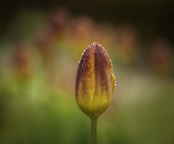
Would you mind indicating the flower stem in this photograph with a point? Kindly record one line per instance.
(93, 130)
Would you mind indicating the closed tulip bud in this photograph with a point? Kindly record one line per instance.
(95, 81)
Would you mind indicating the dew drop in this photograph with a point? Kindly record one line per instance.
(115, 83)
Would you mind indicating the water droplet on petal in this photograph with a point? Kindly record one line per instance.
(115, 83)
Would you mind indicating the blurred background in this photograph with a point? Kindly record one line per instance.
(40, 45)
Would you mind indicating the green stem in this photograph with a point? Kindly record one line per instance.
(93, 130)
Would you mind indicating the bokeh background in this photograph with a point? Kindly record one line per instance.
(40, 45)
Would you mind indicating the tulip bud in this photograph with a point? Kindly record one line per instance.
(95, 81)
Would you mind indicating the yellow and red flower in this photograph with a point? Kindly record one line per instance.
(95, 81)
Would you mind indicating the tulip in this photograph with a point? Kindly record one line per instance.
(95, 82)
